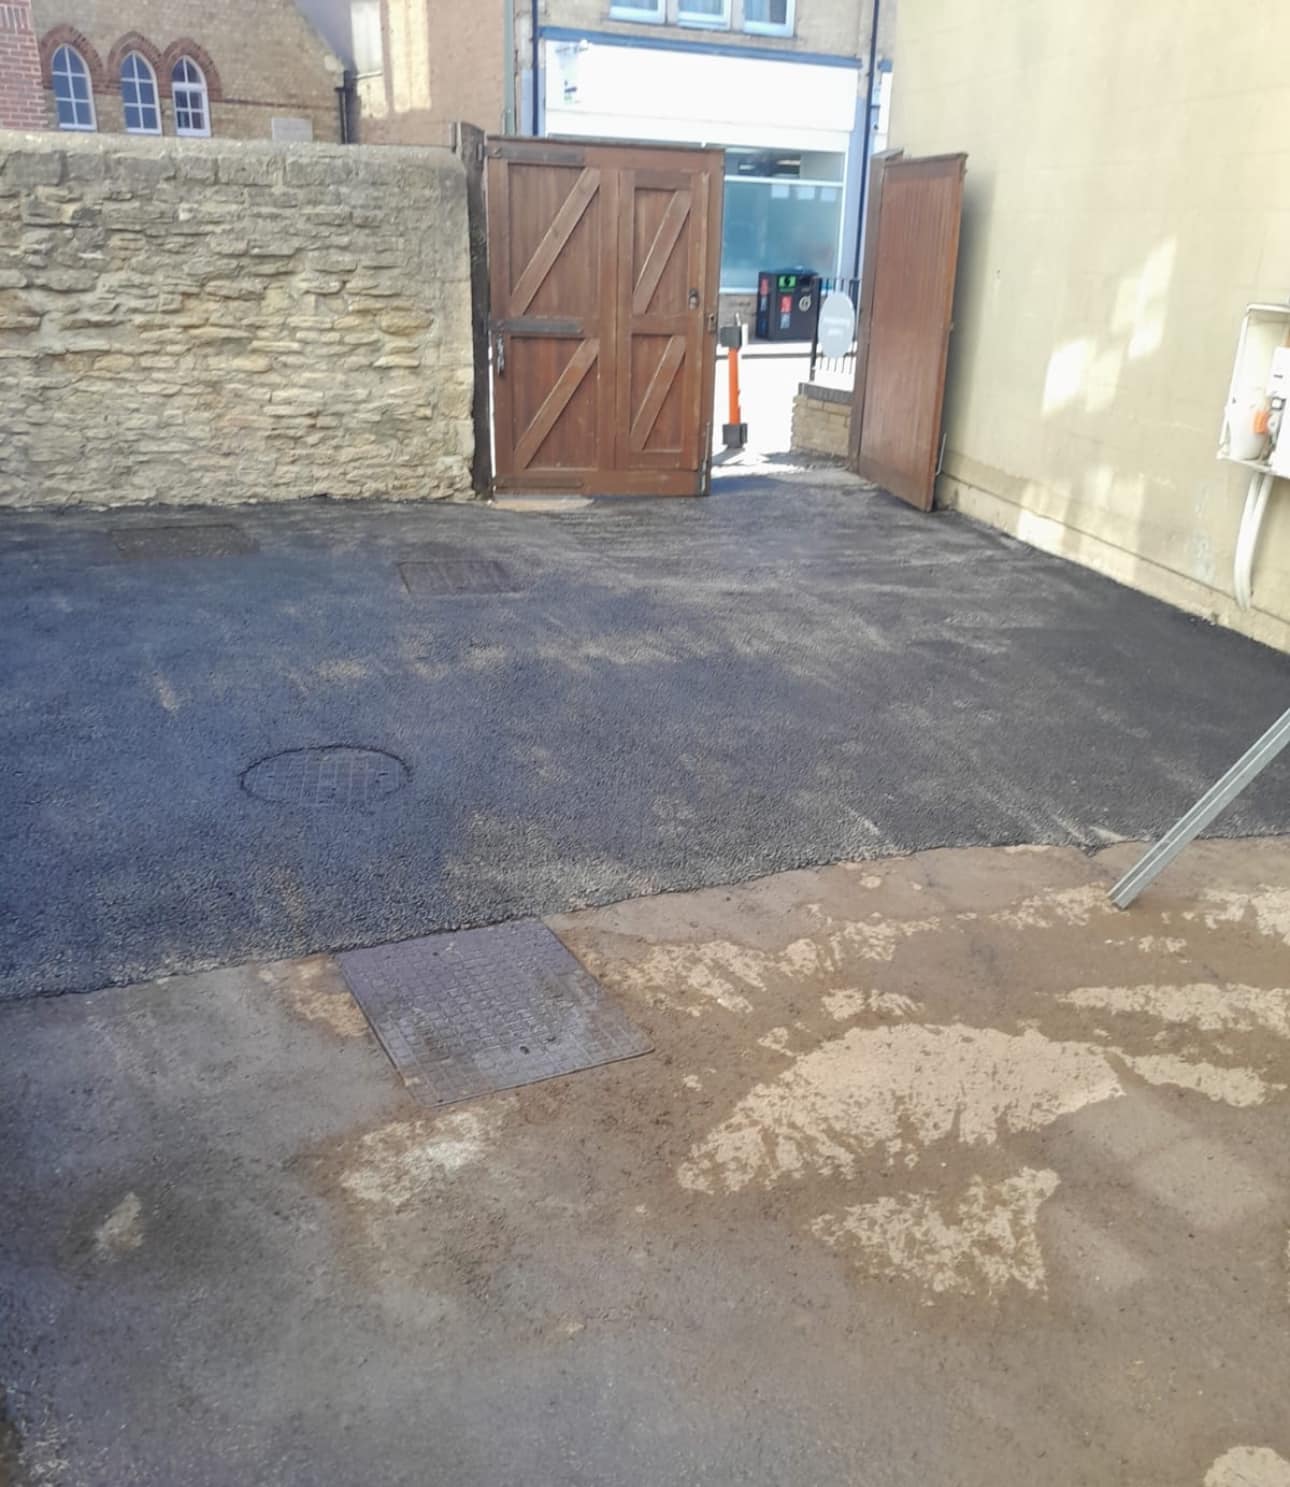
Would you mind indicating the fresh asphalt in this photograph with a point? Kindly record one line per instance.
(682, 693)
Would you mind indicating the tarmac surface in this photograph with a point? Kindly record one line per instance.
(635, 697)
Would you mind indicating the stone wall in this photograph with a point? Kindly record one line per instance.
(206, 321)
(822, 420)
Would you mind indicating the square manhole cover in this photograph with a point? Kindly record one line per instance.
(182, 541)
(486, 1009)
(440, 578)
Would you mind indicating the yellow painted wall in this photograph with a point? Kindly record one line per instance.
(1128, 192)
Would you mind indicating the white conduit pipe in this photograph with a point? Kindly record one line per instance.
(1247, 536)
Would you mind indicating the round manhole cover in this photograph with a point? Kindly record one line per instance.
(332, 776)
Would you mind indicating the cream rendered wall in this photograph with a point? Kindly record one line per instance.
(1128, 192)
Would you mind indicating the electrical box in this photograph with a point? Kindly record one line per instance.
(1253, 432)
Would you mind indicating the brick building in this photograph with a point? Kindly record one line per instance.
(21, 103)
(172, 67)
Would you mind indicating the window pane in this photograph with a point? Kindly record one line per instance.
(766, 12)
(71, 81)
(139, 95)
(707, 9)
(778, 224)
(191, 115)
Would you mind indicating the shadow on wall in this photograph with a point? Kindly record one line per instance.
(1097, 310)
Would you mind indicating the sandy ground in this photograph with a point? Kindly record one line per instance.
(942, 1170)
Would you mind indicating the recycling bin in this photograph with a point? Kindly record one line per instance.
(787, 304)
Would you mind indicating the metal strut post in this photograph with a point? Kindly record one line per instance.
(1217, 798)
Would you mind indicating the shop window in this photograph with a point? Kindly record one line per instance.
(783, 209)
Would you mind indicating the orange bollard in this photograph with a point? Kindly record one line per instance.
(734, 433)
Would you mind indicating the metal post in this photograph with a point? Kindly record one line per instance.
(1217, 798)
(815, 334)
(868, 134)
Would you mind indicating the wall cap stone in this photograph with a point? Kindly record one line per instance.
(382, 164)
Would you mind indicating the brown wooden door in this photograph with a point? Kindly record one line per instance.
(604, 267)
(906, 313)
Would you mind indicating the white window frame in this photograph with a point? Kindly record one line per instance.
(66, 47)
(627, 12)
(155, 106)
(769, 28)
(704, 22)
(188, 131)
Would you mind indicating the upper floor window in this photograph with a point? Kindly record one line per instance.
(72, 95)
(192, 103)
(760, 17)
(637, 10)
(769, 17)
(703, 12)
(139, 96)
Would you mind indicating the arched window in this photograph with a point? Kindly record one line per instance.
(192, 106)
(139, 95)
(72, 95)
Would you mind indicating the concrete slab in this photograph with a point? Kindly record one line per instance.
(943, 1171)
(685, 693)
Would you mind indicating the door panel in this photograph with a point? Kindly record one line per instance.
(551, 229)
(907, 301)
(662, 310)
(604, 271)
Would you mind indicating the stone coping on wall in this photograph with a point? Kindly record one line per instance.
(818, 394)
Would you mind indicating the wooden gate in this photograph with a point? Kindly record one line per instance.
(603, 275)
(906, 310)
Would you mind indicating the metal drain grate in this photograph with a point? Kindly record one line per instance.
(486, 1009)
(443, 577)
(333, 776)
(139, 543)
